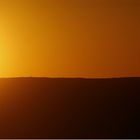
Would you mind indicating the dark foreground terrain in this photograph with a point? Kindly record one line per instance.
(69, 108)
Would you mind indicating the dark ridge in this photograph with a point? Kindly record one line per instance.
(36, 107)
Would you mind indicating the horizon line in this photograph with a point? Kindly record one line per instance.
(45, 77)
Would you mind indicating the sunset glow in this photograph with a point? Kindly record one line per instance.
(70, 38)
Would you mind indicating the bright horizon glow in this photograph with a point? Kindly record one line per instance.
(77, 38)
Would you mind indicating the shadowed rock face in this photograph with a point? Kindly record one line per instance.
(69, 108)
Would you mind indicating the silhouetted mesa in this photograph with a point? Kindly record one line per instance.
(69, 108)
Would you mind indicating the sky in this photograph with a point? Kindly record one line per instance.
(70, 38)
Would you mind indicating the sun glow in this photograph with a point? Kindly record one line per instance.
(2, 55)
(5, 51)
(69, 38)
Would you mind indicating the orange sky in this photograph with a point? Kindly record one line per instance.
(70, 38)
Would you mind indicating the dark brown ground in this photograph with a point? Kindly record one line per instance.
(69, 108)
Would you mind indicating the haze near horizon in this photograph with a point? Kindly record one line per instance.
(70, 38)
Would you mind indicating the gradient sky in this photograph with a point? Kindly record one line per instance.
(70, 38)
